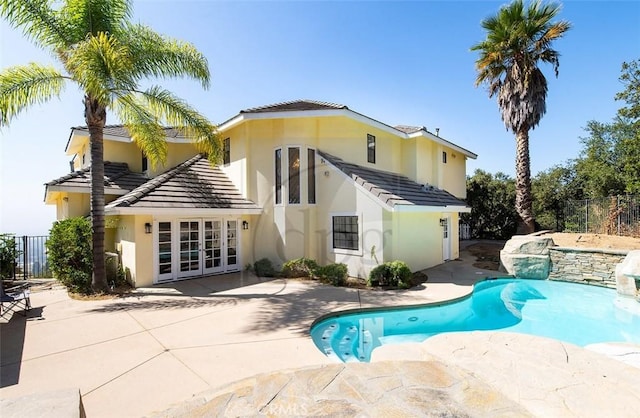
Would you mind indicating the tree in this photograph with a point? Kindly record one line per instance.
(107, 57)
(551, 190)
(518, 39)
(491, 198)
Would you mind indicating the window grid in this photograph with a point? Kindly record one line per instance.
(345, 232)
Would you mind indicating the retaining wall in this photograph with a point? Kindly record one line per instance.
(585, 265)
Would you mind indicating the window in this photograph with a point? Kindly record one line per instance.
(226, 158)
(345, 232)
(278, 161)
(444, 157)
(371, 148)
(311, 176)
(145, 162)
(294, 175)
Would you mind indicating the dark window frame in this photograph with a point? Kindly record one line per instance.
(371, 149)
(344, 237)
(311, 176)
(226, 153)
(278, 175)
(144, 162)
(444, 157)
(293, 171)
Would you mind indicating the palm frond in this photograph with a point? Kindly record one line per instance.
(143, 126)
(92, 17)
(37, 20)
(26, 85)
(175, 112)
(101, 65)
(160, 56)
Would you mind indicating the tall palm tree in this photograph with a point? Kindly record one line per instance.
(518, 39)
(107, 56)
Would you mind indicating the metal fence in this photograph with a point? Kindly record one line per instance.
(614, 215)
(30, 259)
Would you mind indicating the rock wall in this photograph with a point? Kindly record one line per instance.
(593, 266)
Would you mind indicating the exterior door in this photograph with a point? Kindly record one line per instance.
(212, 244)
(189, 244)
(446, 238)
(195, 247)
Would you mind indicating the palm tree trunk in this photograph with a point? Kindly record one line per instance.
(523, 183)
(96, 116)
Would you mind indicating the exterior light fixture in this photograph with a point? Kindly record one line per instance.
(147, 228)
(245, 225)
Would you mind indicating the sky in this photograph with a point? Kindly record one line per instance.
(398, 62)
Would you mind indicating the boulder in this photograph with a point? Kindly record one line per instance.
(627, 273)
(527, 256)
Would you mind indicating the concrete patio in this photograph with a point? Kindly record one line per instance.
(168, 349)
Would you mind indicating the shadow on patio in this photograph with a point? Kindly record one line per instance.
(12, 334)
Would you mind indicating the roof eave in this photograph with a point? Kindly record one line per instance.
(431, 209)
(179, 211)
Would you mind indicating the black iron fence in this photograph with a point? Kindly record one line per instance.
(614, 215)
(23, 257)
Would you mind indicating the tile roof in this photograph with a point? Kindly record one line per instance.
(192, 184)
(394, 189)
(410, 129)
(117, 179)
(121, 131)
(294, 106)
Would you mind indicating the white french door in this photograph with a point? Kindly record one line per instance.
(195, 247)
(446, 238)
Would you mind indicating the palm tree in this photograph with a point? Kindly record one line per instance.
(107, 57)
(518, 39)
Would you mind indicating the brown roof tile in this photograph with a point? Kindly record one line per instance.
(394, 189)
(295, 105)
(117, 179)
(192, 184)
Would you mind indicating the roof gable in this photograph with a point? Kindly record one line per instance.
(295, 105)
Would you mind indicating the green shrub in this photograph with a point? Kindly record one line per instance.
(392, 274)
(335, 274)
(69, 253)
(264, 268)
(300, 267)
(8, 255)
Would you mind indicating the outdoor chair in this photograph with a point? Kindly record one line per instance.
(15, 296)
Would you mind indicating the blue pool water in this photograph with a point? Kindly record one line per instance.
(575, 313)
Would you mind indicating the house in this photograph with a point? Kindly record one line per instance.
(298, 179)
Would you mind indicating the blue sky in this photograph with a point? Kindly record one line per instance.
(398, 62)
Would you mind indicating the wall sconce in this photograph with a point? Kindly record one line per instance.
(443, 221)
(326, 173)
(147, 228)
(245, 225)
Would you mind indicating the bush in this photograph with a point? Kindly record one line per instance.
(264, 268)
(8, 255)
(392, 274)
(69, 253)
(335, 274)
(300, 267)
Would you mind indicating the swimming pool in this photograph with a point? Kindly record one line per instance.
(575, 313)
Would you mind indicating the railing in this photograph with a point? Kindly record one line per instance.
(615, 215)
(28, 259)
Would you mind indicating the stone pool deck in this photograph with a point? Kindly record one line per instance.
(176, 350)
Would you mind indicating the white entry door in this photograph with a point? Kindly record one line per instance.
(195, 247)
(446, 238)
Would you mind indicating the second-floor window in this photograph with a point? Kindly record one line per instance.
(278, 174)
(226, 157)
(311, 176)
(444, 157)
(145, 162)
(371, 148)
(294, 175)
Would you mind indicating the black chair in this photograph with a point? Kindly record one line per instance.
(13, 297)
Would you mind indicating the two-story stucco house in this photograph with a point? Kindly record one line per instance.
(299, 179)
